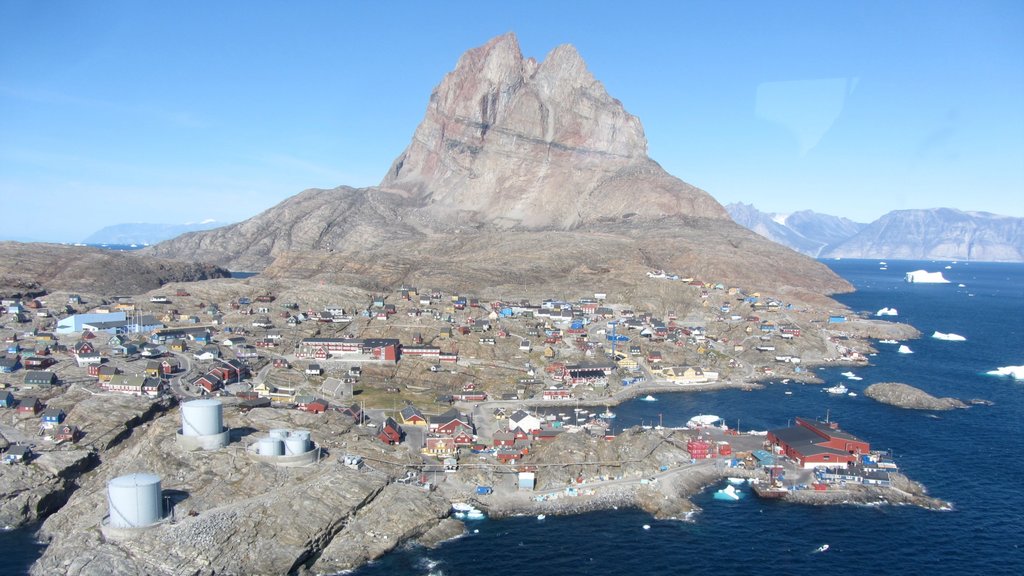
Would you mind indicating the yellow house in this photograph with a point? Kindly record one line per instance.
(688, 375)
(628, 363)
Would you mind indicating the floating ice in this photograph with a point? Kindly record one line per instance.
(1015, 372)
(904, 349)
(887, 312)
(950, 337)
(925, 277)
(851, 376)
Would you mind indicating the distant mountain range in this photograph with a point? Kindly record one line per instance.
(935, 233)
(146, 233)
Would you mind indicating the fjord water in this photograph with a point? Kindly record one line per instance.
(969, 457)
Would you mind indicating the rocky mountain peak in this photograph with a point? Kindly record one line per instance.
(510, 141)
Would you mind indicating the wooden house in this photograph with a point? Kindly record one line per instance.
(389, 432)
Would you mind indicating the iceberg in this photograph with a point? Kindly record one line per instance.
(729, 493)
(851, 376)
(887, 312)
(950, 337)
(904, 349)
(925, 277)
(1015, 372)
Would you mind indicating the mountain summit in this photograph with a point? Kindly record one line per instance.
(522, 176)
(510, 141)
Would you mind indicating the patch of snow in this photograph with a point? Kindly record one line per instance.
(780, 218)
(950, 337)
(925, 277)
(1015, 372)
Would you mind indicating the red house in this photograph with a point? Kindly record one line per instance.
(389, 432)
(30, 406)
(449, 422)
(316, 406)
(504, 438)
(811, 443)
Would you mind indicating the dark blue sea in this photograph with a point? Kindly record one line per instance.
(970, 457)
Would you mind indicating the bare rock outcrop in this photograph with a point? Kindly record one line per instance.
(906, 396)
(521, 173)
(39, 268)
(513, 141)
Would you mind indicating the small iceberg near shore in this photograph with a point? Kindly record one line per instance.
(649, 398)
(887, 312)
(949, 337)
(904, 349)
(851, 376)
(729, 493)
(1015, 372)
(925, 277)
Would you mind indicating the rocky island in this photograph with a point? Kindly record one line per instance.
(907, 396)
(400, 346)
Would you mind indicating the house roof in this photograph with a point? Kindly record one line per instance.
(447, 417)
(410, 412)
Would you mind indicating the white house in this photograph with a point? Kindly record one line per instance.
(524, 421)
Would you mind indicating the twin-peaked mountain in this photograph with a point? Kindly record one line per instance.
(937, 233)
(521, 174)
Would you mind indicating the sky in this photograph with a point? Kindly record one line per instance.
(174, 112)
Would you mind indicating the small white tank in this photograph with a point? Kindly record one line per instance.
(295, 445)
(304, 434)
(280, 433)
(270, 447)
(135, 500)
(202, 417)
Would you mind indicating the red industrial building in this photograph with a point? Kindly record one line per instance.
(811, 443)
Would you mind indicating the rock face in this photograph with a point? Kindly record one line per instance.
(521, 172)
(39, 268)
(805, 231)
(940, 233)
(906, 396)
(514, 142)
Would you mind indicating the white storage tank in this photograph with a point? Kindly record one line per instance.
(296, 445)
(135, 500)
(270, 447)
(304, 434)
(202, 417)
(280, 433)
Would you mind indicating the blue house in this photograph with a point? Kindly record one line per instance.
(52, 417)
(836, 319)
(6, 399)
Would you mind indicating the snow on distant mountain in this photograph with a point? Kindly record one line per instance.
(146, 233)
(926, 234)
(806, 232)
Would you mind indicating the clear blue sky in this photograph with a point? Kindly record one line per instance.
(125, 111)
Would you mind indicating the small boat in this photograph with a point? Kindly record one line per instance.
(888, 341)
(837, 389)
(852, 394)
(647, 526)
(649, 398)
(541, 516)
(821, 548)
(608, 414)
(706, 421)
(789, 392)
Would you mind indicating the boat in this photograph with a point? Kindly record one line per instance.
(888, 341)
(728, 493)
(649, 398)
(821, 548)
(789, 392)
(852, 394)
(837, 389)
(608, 414)
(541, 516)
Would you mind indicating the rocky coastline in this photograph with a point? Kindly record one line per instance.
(906, 396)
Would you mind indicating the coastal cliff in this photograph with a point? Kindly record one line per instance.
(907, 396)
